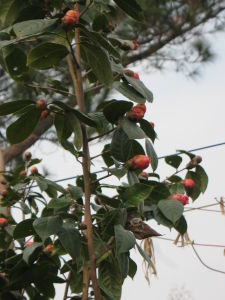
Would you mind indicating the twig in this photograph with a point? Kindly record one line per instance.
(67, 285)
(101, 135)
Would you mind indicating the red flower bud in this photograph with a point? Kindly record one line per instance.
(34, 170)
(28, 244)
(4, 193)
(183, 199)
(27, 156)
(132, 74)
(136, 113)
(189, 183)
(44, 114)
(3, 222)
(136, 76)
(48, 249)
(71, 17)
(41, 104)
(139, 162)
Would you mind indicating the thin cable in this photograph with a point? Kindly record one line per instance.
(161, 157)
(196, 244)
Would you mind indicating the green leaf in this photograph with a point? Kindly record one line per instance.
(75, 124)
(171, 209)
(116, 109)
(177, 188)
(123, 260)
(132, 130)
(173, 160)
(10, 10)
(125, 240)
(109, 279)
(99, 62)
(132, 177)
(75, 192)
(132, 8)
(14, 106)
(70, 238)
(33, 27)
(45, 287)
(31, 252)
(181, 225)
(24, 229)
(203, 177)
(161, 219)
(46, 55)
(132, 268)
(128, 91)
(59, 202)
(47, 226)
(152, 154)
(16, 63)
(139, 86)
(24, 126)
(76, 282)
(148, 129)
(136, 194)
(106, 155)
(146, 257)
(122, 148)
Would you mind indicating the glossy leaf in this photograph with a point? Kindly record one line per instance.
(146, 257)
(116, 109)
(128, 91)
(196, 190)
(148, 129)
(203, 178)
(30, 252)
(132, 177)
(132, 130)
(152, 154)
(75, 125)
(171, 209)
(125, 240)
(70, 238)
(14, 106)
(47, 226)
(136, 194)
(122, 148)
(173, 160)
(132, 8)
(46, 55)
(24, 126)
(123, 260)
(24, 229)
(139, 86)
(181, 225)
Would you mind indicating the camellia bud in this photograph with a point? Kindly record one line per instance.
(34, 170)
(197, 158)
(48, 249)
(194, 162)
(71, 17)
(183, 199)
(136, 113)
(27, 155)
(132, 74)
(139, 162)
(28, 244)
(189, 183)
(83, 225)
(41, 104)
(3, 222)
(44, 114)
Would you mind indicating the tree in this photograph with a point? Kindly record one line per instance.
(51, 40)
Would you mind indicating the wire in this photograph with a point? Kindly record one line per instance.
(161, 157)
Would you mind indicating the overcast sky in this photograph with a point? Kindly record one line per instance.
(187, 114)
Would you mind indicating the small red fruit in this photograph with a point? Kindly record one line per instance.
(136, 76)
(27, 155)
(136, 113)
(136, 45)
(28, 244)
(34, 170)
(44, 114)
(48, 249)
(183, 199)
(189, 183)
(139, 162)
(71, 17)
(83, 225)
(3, 222)
(4, 193)
(41, 104)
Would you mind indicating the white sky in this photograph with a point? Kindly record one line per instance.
(187, 114)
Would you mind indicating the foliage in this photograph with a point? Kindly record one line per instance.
(34, 38)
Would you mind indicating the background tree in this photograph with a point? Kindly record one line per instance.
(28, 47)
